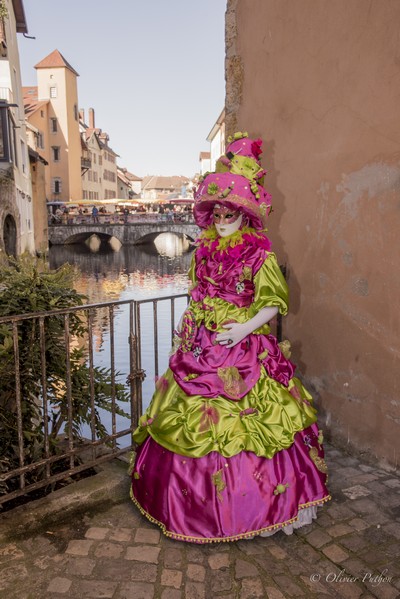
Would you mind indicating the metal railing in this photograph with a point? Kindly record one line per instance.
(76, 454)
(94, 449)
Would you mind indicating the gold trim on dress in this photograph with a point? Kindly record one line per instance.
(319, 462)
(247, 535)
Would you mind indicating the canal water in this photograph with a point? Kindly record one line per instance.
(111, 272)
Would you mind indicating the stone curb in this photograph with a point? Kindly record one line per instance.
(109, 486)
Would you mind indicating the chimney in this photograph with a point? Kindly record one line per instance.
(91, 118)
(82, 115)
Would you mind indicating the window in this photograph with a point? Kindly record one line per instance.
(3, 134)
(53, 125)
(56, 185)
(40, 140)
(94, 158)
(7, 136)
(85, 195)
(23, 156)
(100, 160)
(95, 177)
(76, 112)
(56, 153)
(90, 176)
(42, 114)
(53, 92)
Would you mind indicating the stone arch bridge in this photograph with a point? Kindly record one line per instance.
(126, 233)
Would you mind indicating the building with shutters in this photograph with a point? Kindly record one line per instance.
(16, 206)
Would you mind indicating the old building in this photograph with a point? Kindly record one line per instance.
(124, 187)
(154, 187)
(319, 82)
(129, 185)
(52, 107)
(110, 179)
(216, 138)
(91, 158)
(205, 162)
(16, 207)
(99, 179)
(38, 181)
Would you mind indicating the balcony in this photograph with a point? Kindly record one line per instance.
(86, 163)
(6, 95)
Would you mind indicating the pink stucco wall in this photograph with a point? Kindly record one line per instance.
(319, 81)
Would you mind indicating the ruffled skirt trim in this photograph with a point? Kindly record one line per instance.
(306, 514)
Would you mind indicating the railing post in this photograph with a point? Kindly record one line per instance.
(136, 374)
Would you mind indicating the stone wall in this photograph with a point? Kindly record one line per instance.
(319, 82)
(8, 207)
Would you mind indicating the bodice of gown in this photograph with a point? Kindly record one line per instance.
(230, 286)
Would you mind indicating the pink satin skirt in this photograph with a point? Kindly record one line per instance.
(213, 498)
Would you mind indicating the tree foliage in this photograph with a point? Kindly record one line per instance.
(3, 10)
(28, 285)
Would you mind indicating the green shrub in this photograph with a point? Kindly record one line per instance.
(28, 285)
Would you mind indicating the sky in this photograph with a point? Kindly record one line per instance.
(153, 70)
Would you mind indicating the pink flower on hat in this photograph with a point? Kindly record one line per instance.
(256, 147)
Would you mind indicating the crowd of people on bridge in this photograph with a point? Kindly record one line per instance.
(62, 214)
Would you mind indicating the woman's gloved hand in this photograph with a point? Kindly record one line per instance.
(237, 331)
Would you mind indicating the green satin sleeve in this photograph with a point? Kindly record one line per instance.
(270, 288)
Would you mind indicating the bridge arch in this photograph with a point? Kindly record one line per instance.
(85, 235)
(125, 233)
(150, 237)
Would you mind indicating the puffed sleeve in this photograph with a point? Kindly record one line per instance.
(270, 288)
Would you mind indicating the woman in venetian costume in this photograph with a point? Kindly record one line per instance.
(229, 447)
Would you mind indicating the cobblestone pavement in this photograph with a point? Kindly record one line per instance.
(351, 551)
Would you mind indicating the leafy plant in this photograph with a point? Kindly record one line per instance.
(27, 285)
(3, 10)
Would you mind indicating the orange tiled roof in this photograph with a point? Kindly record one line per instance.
(30, 99)
(122, 178)
(55, 60)
(205, 155)
(30, 92)
(128, 175)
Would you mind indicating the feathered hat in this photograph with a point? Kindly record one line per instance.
(236, 183)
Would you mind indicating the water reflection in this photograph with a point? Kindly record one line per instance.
(134, 272)
(130, 272)
(171, 245)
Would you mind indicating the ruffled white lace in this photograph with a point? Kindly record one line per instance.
(305, 516)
